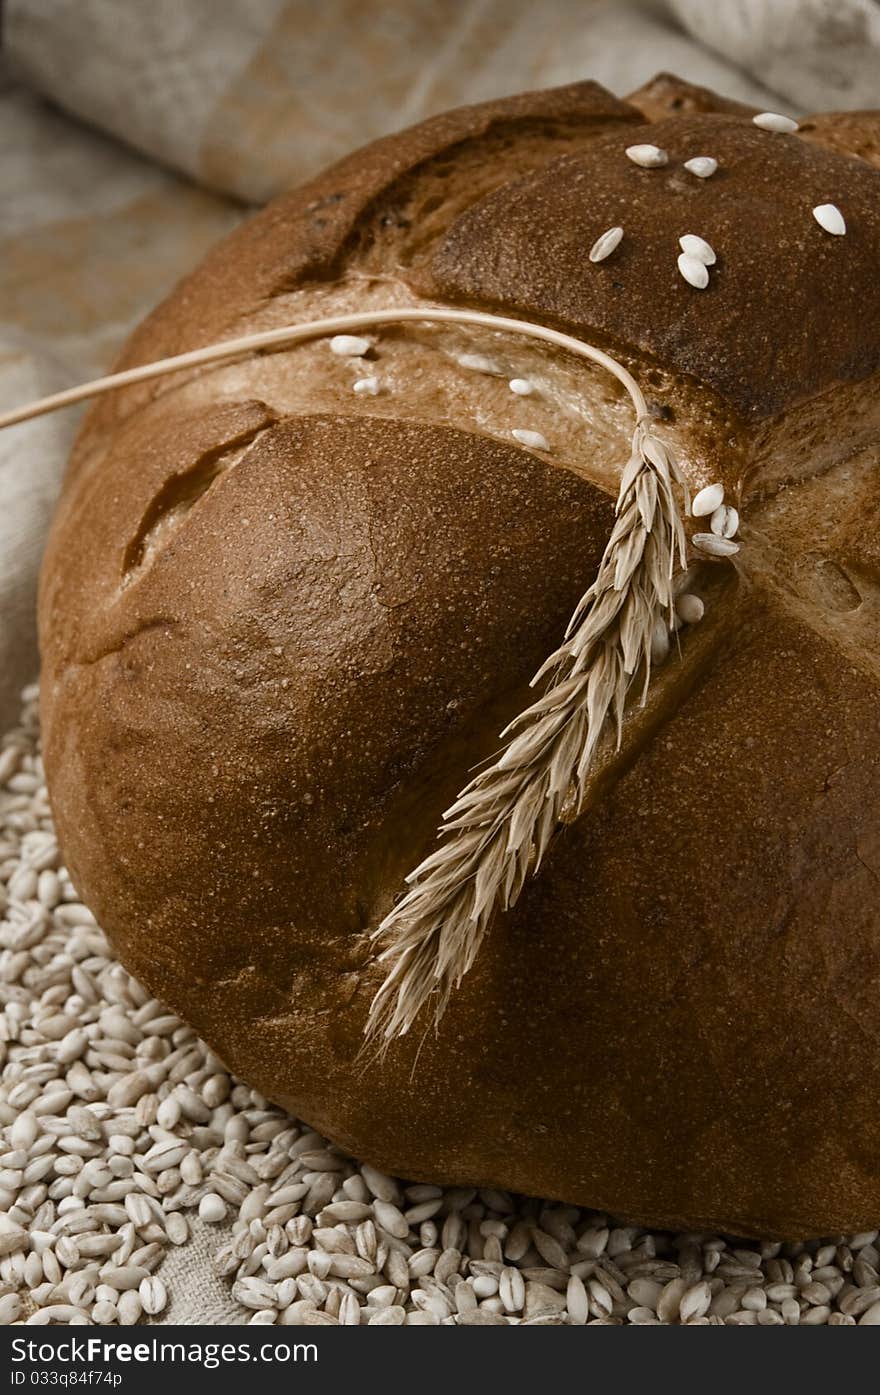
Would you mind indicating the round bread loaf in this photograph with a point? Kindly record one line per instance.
(284, 613)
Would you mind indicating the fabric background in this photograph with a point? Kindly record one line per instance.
(134, 134)
(91, 236)
(821, 55)
(253, 96)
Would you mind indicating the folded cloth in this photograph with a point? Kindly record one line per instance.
(253, 96)
(91, 236)
(31, 461)
(823, 55)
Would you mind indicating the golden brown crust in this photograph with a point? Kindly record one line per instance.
(789, 312)
(667, 95)
(270, 631)
(324, 628)
(853, 133)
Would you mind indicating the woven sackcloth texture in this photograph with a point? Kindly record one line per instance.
(131, 136)
(91, 235)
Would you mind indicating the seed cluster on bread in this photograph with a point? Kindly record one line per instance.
(290, 602)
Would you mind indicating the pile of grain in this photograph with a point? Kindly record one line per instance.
(118, 1124)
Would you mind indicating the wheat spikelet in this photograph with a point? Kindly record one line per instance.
(496, 833)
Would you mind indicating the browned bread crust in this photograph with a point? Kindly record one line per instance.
(753, 336)
(854, 133)
(280, 623)
(667, 95)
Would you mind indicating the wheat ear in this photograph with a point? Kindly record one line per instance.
(497, 831)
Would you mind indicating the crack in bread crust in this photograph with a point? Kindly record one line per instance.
(182, 491)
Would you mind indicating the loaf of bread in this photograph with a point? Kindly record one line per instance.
(290, 602)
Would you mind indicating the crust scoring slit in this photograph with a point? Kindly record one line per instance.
(182, 491)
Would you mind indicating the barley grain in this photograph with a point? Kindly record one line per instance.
(63, 1313)
(212, 1208)
(549, 1249)
(830, 218)
(577, 1300)
(773, 121)
(703, 166)
(366, 387)
(724, 522)
(648, 156)
(349, 345)
(390, 1218)
(695, 1302)
(713, 546)
(606, 244)
(388, 1317)
(533, 439)
(694, 246)
(694, 270)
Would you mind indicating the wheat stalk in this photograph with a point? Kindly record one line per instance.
(496, 833)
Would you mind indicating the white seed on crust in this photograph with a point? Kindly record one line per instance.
(829, 217)
(772, 121)
(695, 272)
(707, 500)
(703, 166)
(605, 245)
(478, 363)
(349, 345)
(724, 521)
(689, 608)
(368, 387)
(714, 547)
(533, 439)
(521, 387)
(650, 157)
(698, 247)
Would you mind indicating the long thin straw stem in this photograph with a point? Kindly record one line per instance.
(314, 329)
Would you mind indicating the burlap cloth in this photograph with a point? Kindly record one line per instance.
(167, 118)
